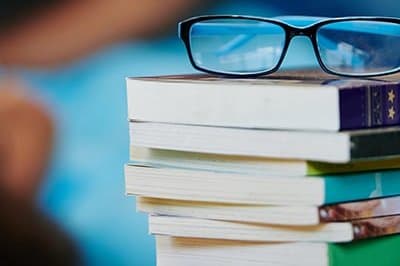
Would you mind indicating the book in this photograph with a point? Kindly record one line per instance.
(252, 164)
(323, 146)
(173, 251)
(209, 186)
(273, 102)
(334, 232)
(270, 214)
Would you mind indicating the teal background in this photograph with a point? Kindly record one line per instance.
(84, 190)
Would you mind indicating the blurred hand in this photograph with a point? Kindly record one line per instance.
(71, 29)
(25, 141)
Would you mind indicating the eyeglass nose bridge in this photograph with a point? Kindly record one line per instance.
(296, 31)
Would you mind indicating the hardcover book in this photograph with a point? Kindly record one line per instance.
(307, 102)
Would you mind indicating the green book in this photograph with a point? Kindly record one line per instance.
(195, 252)
(253, 164)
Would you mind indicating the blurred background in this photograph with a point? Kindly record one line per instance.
(71, 58)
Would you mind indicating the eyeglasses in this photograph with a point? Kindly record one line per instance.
(251, 46)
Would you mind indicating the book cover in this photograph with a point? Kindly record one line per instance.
(359, 209)
(380, 251)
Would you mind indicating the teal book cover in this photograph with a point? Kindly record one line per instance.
(351, 187)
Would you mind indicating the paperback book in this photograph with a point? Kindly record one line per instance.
(322, 146)
(253, 164)
(272, 214)
(273, 102)
(172, 251)
(324, 232)
(209, 186)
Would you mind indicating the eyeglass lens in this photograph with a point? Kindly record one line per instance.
(359, 47)
(248, 46)
(238, 46)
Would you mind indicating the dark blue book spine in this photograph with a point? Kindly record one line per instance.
(369, 106)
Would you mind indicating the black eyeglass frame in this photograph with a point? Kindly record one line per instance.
(290, 32)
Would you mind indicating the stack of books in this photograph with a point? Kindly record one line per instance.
(286, 170)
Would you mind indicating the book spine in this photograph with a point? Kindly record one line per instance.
(382, 251)
(374, 146)
(363, 209)
(320, 168)
(362, 186)
(369, 106)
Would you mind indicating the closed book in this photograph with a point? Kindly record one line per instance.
(206, 252)
(210, 186)
(253, 164)
(267, 102)
(323, 146)
(272, 214)
(334, 232)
